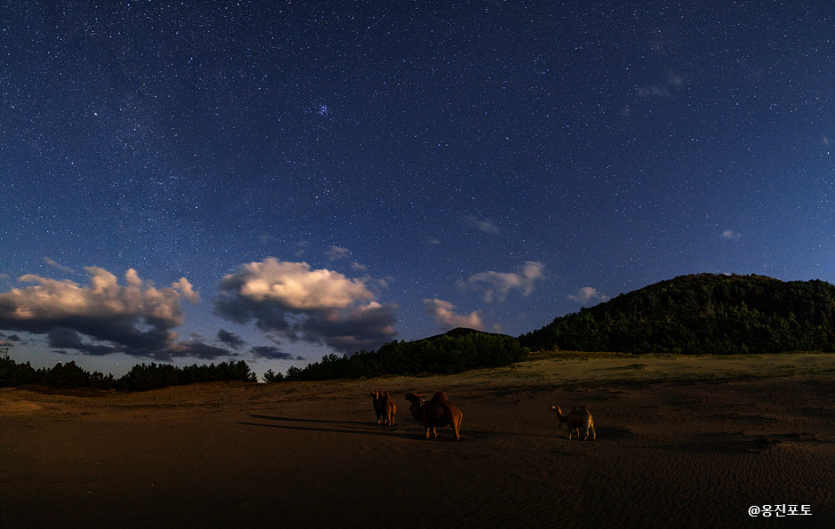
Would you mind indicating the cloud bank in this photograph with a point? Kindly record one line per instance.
(497, 285)
(444, 315)
(104, 317)
(317, 306)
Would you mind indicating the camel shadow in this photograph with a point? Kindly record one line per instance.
(329, 426)
(614, 433)
(296, 419)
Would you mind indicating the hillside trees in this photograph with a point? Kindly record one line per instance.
(441, 355)
(705, 313)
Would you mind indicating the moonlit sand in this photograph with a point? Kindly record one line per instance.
(681, 441)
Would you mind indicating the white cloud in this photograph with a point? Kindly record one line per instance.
(294, 286)
(299, 303)
(497, 285)
(53, 299)
(588, 295)
(186, 290)
(486, 226)
(444, 315)
(59, 266)
(335, 252)
(137, 319)
(385, 282)
(731, 235)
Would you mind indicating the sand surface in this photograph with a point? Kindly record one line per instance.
(681, 442)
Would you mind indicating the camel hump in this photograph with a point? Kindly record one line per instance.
(435, 411)
(580, 411)
(440, 397)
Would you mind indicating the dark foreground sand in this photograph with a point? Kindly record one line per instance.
(680, 443)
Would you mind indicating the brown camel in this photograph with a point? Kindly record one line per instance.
(437, 412)
(384, 407)
(578, 418)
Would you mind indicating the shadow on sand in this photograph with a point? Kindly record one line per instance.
(404, 430)
(319, 425)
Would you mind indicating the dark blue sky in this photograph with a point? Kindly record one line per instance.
(329, 177)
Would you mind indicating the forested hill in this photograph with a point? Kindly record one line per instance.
(705, 313)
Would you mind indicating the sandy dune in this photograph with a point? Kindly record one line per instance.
(681, 442)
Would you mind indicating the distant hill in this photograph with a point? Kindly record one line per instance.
(452, 352)
(704, 313)
(461, 331)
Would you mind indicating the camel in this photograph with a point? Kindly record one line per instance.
(578, 418)
(437, 412)
(384, 407)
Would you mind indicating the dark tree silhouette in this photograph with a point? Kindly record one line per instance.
(705, 313)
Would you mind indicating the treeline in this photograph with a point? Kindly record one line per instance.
(140, 378)
(452, 353)
(443, 354)
(705, 313)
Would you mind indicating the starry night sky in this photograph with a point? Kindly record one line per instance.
(272, 181)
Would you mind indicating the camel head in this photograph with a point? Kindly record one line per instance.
(558, 411)
(417, 402)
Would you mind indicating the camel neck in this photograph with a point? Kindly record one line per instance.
(416, 409)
